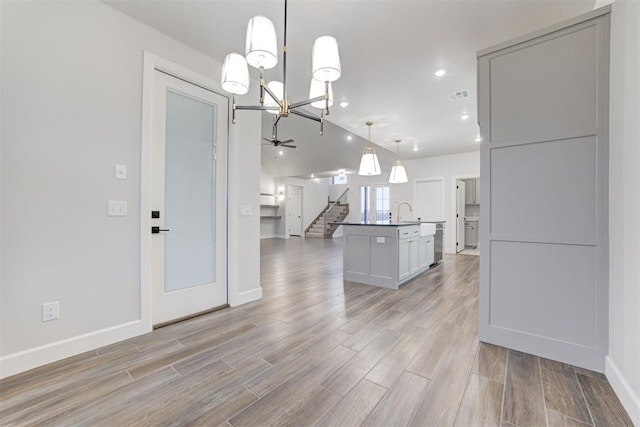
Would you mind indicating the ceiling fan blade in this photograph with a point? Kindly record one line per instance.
(288, 141)
(289, 146)
(269, 140)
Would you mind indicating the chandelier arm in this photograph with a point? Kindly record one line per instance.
(307, 102)
(253, 107)
(321, 122)
(273, 95)
(306, 115)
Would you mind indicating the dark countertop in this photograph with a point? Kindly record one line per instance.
(393, 224)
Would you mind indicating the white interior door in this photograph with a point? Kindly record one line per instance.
(188, 199)
(294, 210)
(460, 199)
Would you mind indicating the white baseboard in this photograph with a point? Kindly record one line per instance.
(21, 361)
(269, 236)
(629, 399)
(246, 296)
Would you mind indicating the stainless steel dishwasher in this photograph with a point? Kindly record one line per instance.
(439, 243)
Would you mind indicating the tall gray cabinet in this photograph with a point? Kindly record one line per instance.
(543, 113)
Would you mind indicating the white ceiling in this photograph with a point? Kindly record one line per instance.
(389, 52)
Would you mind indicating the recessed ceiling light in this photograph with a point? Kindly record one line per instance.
(344, 104)
(464, 116)
(312, 176)
(281, 152)
(415, 148)
(349, 137)
(441, 72)
(478, 138)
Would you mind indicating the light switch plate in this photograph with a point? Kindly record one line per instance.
(121, 171)
(380, 239)
(117, 208)
(246, 210)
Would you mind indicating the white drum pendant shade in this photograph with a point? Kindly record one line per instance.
(317, 89)
(369, 164)
(326, 59)
(261, 49)
(235, 74)
(398, 174)
(277, 88)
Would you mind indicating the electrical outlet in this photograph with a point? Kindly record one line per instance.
(50, 311)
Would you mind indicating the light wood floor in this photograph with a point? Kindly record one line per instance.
(317, 351)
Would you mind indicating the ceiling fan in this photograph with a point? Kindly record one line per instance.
(274, 137)
(277, 143)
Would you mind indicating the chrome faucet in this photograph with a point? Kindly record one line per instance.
(398, 211)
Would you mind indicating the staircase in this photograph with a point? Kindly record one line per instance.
(336, 211)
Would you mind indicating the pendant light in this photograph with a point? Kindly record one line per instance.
(398, 173)
(369, 164)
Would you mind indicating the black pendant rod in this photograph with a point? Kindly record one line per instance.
(284, 58)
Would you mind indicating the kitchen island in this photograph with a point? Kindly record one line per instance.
(386, 255)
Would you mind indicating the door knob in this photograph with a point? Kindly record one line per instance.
(157, 230)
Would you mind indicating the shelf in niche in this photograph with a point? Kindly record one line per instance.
(270, 216)
(270, 206)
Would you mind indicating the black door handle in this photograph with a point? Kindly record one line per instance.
(157, 230)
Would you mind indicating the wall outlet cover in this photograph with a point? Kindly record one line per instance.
(50, 311)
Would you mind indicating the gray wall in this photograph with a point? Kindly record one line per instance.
(543, 111)
(72, 108)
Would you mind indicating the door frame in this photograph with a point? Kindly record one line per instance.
(453, 192)
(153, 63)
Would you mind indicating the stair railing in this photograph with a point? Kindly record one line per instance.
(332, 207)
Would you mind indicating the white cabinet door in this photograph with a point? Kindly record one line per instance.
(423, 252)
(404, 258)
(413, 255)
(476, 189)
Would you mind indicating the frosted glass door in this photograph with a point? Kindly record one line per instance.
(189, 192)
(188, 255)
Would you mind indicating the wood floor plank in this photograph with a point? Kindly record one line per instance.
(481, 404)
(355, 407)
(213, 412)
(556, 419)
(350, 374)
(491, 362)
(389, 368)
(298, 362)
(523, 403)
(605, 406)
(400, 403)
(208, 383)
(292, 394)
(434, 350)
(442, 399)
(105, 407)
(562, 393)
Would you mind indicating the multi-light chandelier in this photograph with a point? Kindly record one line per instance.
(261, 52)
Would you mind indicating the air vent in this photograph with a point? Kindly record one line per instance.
(464, 93)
